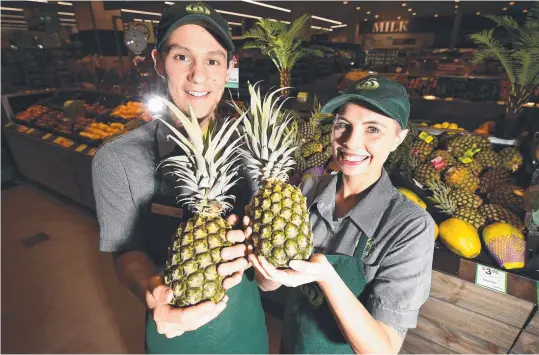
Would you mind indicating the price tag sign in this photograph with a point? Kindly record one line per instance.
(9, 124)
(491, 278)
(64, 142)
(47, 136)
(22, 129)
(91, 152)
(465, 160)
(426, 137)
(30, 131)
(438, 163)
(81, 147)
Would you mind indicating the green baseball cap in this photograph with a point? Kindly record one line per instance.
(386, 95)
(183, 13)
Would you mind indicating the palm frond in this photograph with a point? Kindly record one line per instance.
(491, 46)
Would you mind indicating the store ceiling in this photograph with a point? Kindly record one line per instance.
(337, 11)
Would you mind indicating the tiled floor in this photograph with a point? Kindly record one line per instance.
(61, 295)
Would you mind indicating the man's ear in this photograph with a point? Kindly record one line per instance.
(158, 64)
(401, 135)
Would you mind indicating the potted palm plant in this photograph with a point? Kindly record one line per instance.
(282, 43)
(518, 53)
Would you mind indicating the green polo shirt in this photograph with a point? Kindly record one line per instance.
(398, 260)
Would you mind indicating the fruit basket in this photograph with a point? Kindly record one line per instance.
(472, 190)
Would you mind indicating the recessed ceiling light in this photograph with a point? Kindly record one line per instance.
(435, 15)
(358, 8)
(169, 3)
(141, 12)
(339, 26)
(235, 24)
(512, 3)
(12, 21)
(10, 9)
(398, 18)
(366, 19)
(403, 4)
(525, 10)
(65, 3)
(376, 16)
(66, 13)
(415, 13)
(266, 5)
(478, 13)
(13, 16)
(457, 0)
(68, 19)
(456, 6)
(345, 2)
(326, 19)
(368, 12)
(410, 10)
(504, 9)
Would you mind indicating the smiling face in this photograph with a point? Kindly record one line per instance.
(363, 139)
(194, 65)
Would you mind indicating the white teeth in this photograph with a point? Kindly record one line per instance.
(197, 93)
(354, 158)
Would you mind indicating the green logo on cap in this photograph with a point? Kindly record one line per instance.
(198, 9)
(369, 84)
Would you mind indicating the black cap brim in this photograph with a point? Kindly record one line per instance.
(204, 21)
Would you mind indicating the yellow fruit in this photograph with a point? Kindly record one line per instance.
(437, 125)
(423, 124)
(445, 124)
(506, 244)
(436, 231)
(453, 126)
(460, 129)
(460, 237)
(413, 197)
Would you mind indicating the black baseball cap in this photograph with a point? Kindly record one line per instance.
(389, 97)
(183, 13)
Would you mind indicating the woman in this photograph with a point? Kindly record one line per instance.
(371, 271)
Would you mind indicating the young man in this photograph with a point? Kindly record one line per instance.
(136, 204)
(371, 271)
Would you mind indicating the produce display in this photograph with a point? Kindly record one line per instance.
(444, 125)
(94, 110)
(31, 112)
(131, 110)
(101, 131)
(49, 120)
(471, 189)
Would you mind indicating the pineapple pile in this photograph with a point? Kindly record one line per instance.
(278, 212)
(465, 177)
(314, 140)
(205, 174)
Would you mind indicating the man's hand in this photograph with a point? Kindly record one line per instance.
(173, 322)
(236, 254)
(301, 272)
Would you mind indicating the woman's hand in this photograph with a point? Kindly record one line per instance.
(317, 269)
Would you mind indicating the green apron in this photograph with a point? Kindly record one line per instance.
(309, 326)
(240, 328)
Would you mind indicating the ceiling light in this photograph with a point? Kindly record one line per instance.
(410, 10)
(376, 16)
(66, 13)
(169, 3)
(65, 3)
(13, 21)
(504, 9)
(327, 20)
(13, 16)
(235, 24)
(368, 12)
(358, 8)
(457, 0)
(43, 1)
(274, 20)
(512, 3)
(345, 2)
(15, 28)
(403, 4)
(456, 6)
(266, 5)
(398, 18)
(524, 11)
(339, 26)
(155, 21)
(238, 14)
(415, 13)
(435, 15)
(139, 20)
(10, 9)
(366, 19)
(141, 12)
(478, 13)
(321, 28)
(68, 19)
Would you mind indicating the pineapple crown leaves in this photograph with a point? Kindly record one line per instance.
(441, 197)
(269, 144)
(209, 169)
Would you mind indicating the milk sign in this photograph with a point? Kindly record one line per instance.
(390, 26)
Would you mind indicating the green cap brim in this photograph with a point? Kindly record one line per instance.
(208, 23)
(335, 103)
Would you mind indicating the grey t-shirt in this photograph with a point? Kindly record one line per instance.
(135, 202)
(398, 264)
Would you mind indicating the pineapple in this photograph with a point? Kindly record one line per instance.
(493, 178)
(421, 149)
(508, 196)
(205, 174)
(496, 213)
(460, 145)
(426, 173)
(463, 178)
(456, 203)
(489, 159)
(311, 148)
(473, 165)
(278, 212)
(511, 159)
(317, 159)
(445, 156)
